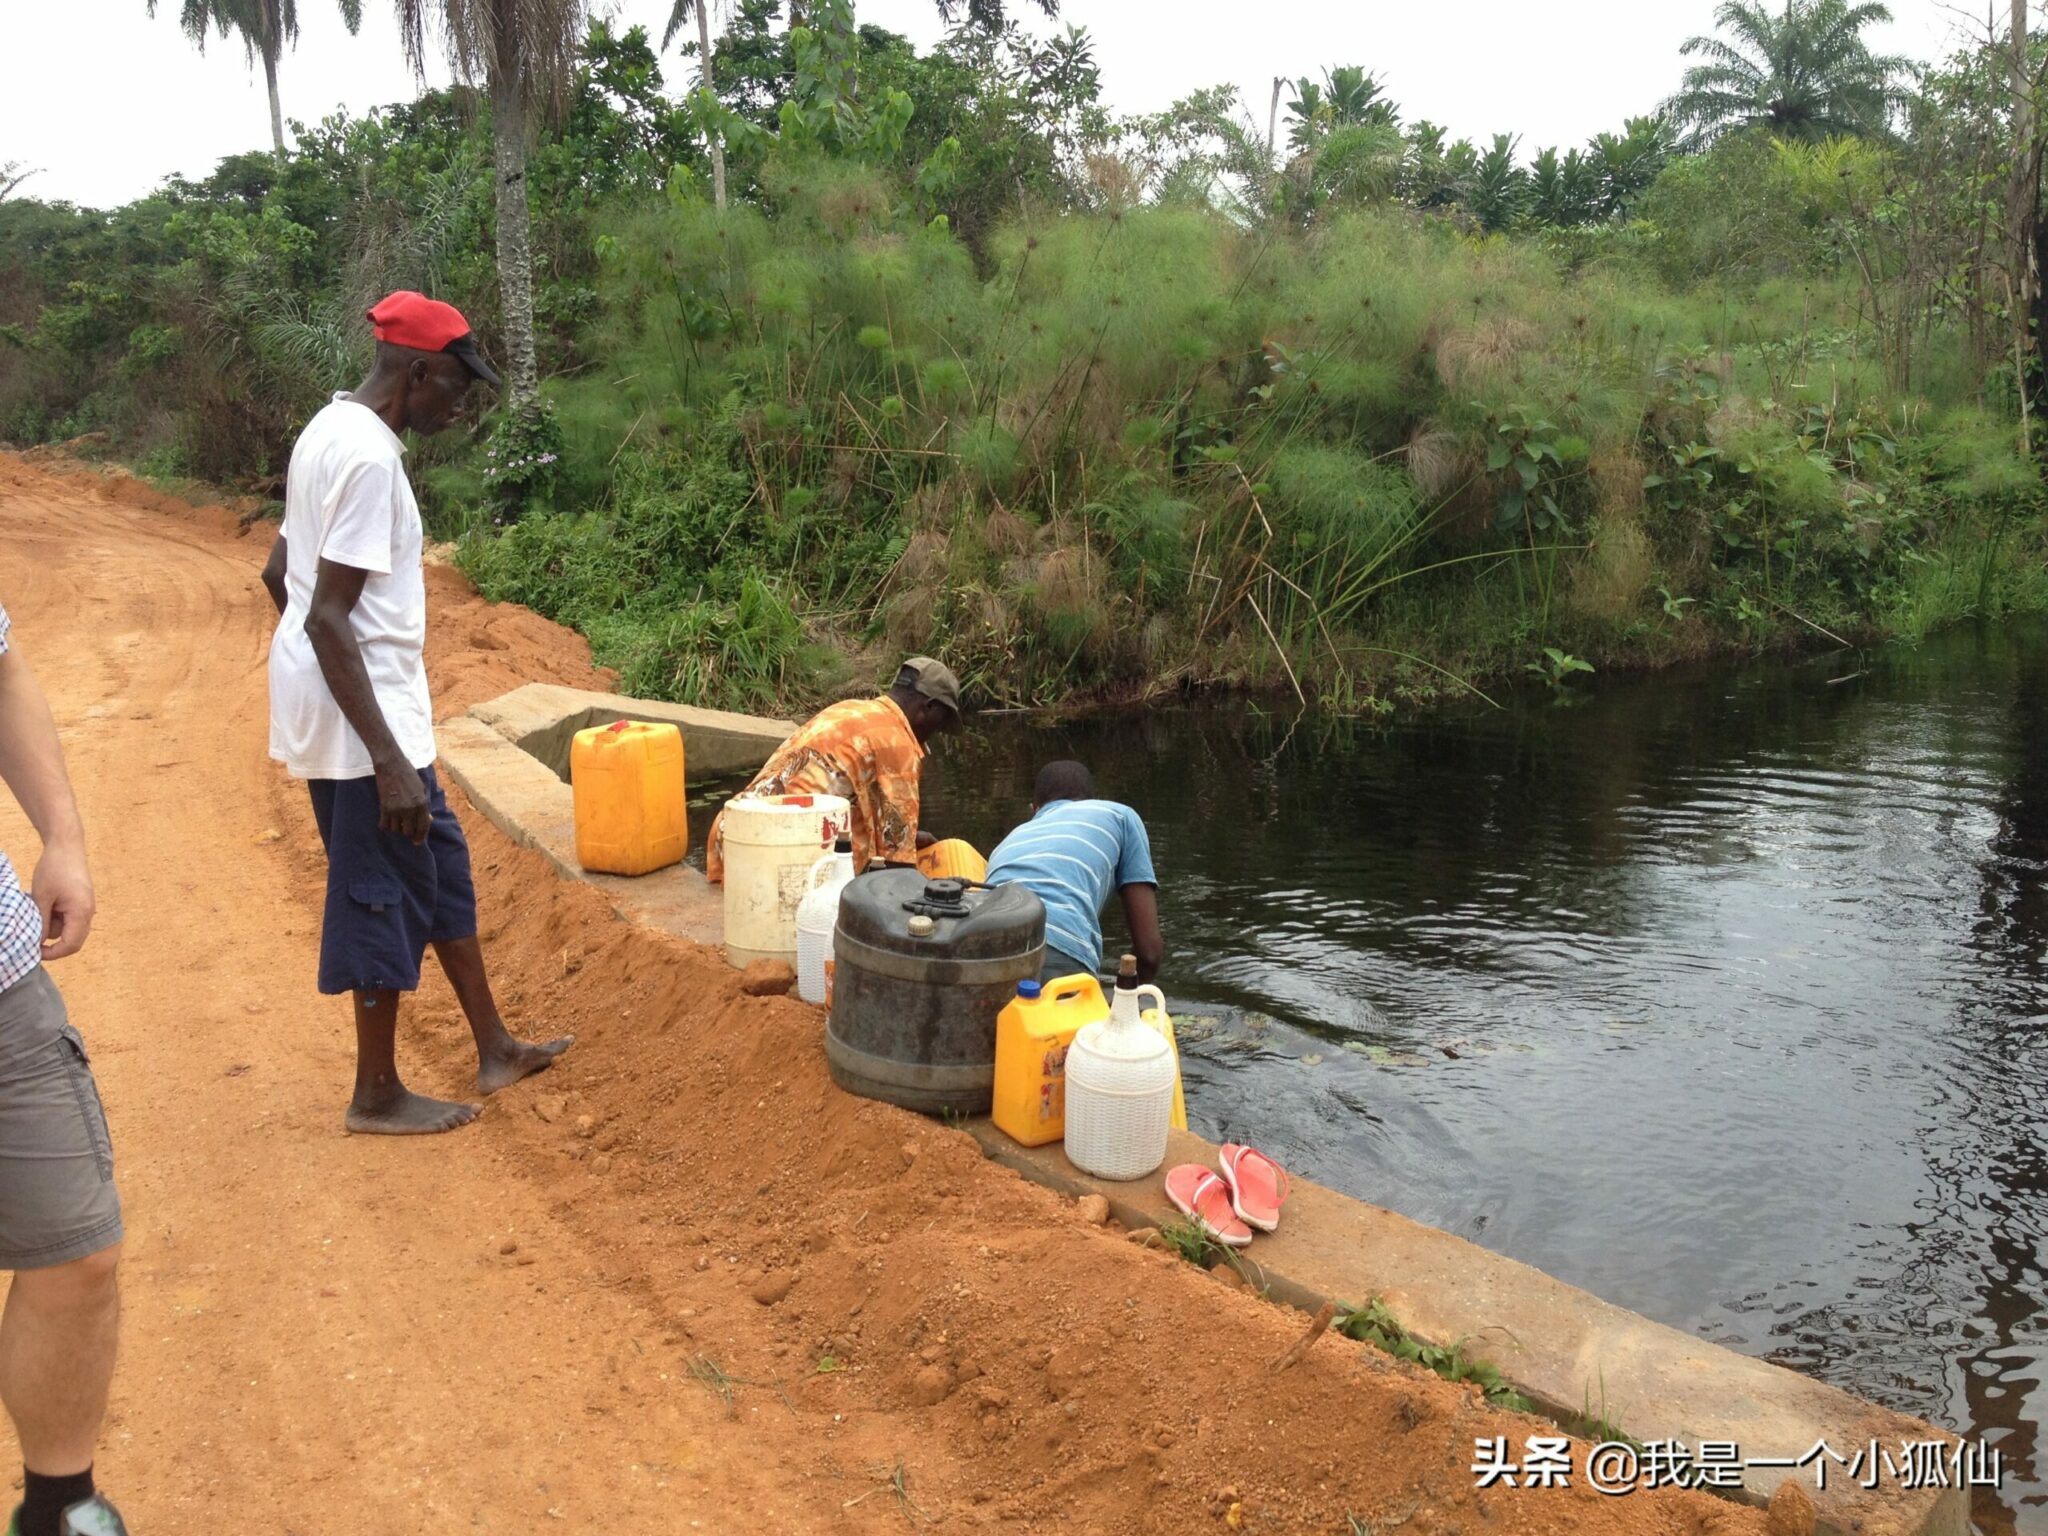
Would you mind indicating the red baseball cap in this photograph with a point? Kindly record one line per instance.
(408, 319)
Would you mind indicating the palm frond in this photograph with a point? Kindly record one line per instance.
(410, 246)
(1721, 56)
(1752, 23)
(532, 42)
(677, 20)
(266, 27)
(197, 17)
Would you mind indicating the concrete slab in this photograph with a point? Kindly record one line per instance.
(543, 718)
(533, 807)
(1562, 1347)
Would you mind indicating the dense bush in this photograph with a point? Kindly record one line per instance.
(1159, 445)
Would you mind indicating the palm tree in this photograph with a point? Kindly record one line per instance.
(677, 18)
(1629, 161)
(524, 52)
(1805, 73)
(1564, 191)
(1347, 98)
(1356, 97)
(267, 28)
(1310, 113)
(1500, 188)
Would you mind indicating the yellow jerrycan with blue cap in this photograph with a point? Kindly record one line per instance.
(1033, 1033)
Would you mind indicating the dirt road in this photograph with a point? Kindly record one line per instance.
(678, 1284)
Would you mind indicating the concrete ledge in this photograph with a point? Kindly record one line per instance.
(534, 808)
(542, 719)
(1561, 1347)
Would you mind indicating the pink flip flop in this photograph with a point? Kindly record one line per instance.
(1258, 1185)
(1202, 1197)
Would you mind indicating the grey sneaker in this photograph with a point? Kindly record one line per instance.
(94, 1517)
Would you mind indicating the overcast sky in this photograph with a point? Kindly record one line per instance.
(108, 102)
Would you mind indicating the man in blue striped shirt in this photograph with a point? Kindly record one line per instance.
(1073, 852)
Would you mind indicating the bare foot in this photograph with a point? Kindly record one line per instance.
(408, 1114)
(504, 1065)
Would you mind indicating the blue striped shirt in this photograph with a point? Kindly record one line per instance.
(1073, 855)
(21, 923)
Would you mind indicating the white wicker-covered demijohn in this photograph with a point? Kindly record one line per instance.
(1120, 1076)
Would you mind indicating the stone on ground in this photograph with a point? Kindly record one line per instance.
(767, 978)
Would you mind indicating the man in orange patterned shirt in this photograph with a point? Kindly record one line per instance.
(871, 751)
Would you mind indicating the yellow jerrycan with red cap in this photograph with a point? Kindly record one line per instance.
(632, 814)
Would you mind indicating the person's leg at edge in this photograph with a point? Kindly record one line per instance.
(57, 1341)
(502, 1059)
(382, 1105)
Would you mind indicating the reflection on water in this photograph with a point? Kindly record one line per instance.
(1721, 996)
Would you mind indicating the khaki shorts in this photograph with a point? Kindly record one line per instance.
(57, 1196)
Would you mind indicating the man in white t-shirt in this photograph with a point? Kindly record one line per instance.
(350, 714)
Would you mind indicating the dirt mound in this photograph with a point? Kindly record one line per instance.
(478, 650)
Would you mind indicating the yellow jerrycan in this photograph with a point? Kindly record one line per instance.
(631, 812)
(1162, 1021)
(1032, 1035)
(953, 859)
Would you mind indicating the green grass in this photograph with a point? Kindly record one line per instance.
(1602, 1423)
(1186, 1240)
(1373, 1324)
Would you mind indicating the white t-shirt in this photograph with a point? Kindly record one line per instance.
(347, 500)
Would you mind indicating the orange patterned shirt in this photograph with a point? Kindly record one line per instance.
(864, 750)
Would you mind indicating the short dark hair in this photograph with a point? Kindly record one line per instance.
(1063, 781)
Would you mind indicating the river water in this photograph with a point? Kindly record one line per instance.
(1722, 995)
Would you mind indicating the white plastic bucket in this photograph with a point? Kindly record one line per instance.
(772, 843)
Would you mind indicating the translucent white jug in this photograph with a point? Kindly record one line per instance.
(1120, 1077)
(816, 916)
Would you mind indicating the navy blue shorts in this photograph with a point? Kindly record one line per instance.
(386, 899)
